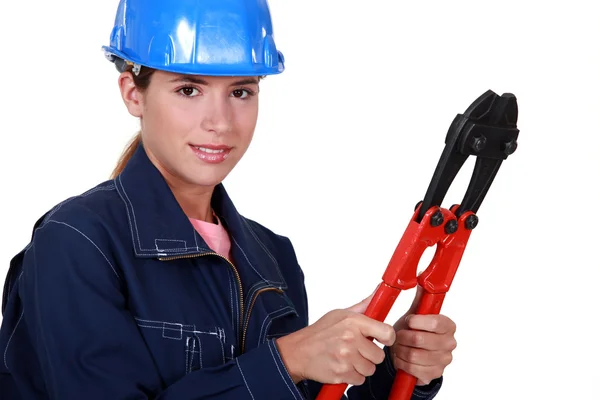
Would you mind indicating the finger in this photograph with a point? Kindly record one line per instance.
(431, 323)
(362, 365)
(425, 358)
(402, 323)
(425, 340)
(355, 378)
(380, 331)
(371, 352)
(423, 374)
(416, 301)
(345, 369)
(361, 306)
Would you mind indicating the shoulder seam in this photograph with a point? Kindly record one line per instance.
(90, 240)
(110, 186)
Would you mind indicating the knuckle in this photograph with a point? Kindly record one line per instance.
(452, 344)
(434, 323)
(438, 372)
(348, 335)
(411, 369)
(340, 370)
(452, 326)
(337, 380)
(448, 358)
(412, 356)
(346, 319)
(343, 352)
(417, 339)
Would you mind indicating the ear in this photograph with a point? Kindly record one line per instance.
(132, 97)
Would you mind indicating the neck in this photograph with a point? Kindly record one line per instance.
(195, 201)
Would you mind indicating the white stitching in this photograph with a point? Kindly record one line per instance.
(62, 203)
(170, 240)
(266, 329)
(129, 217)
(270, 344)
(199, 350)
(132, 224)
(184, 328)
(195, 238)
(252, 266)
(187, 354)
(264, 247)
(231, 298)
(10, 338)
(91, 241)
(244, 378)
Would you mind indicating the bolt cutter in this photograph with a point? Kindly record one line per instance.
(488, 131)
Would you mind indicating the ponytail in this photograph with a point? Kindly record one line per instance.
(126, 155)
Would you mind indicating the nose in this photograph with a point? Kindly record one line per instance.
(217, 117)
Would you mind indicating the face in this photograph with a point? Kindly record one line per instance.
(195, 129)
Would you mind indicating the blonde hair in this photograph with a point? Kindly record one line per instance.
(127, 154)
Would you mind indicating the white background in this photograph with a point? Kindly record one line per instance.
(347, 140)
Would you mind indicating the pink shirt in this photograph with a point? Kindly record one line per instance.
(215, 236)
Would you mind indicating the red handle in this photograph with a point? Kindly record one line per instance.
(378, 309)
(401, 273)
(404, 383)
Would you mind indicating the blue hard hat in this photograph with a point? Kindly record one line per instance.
(201, 37)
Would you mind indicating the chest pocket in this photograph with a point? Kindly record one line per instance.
(281, 317)
(180, 348)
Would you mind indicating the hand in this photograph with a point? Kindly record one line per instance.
(424, 343)
(337, 348)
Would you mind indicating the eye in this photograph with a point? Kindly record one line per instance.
(242, 93)
(188, 91)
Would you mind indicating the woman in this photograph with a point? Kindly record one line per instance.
(152, 285)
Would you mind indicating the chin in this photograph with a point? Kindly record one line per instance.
(208, 180)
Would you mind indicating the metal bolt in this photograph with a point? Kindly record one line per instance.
(510, 147)
(437, 219)
(451, 226)
(478, 143)
(471, 222)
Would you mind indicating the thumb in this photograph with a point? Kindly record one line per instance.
(361, 306)
(402, 323)
(416, 301)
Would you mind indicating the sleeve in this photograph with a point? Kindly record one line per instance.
(87, 342)
(375, 387)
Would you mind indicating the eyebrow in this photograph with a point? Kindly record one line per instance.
(200, 81)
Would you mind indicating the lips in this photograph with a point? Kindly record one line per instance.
(209, 150)
(211, 153)
(212, 146)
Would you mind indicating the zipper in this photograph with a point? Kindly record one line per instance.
(243, 322)
(247, 322)
(235, 271)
